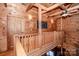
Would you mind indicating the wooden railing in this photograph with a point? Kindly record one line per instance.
(31, 45)
(18, 48)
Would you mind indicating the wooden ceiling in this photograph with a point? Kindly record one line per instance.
(44, 4)
(48, 9)
(47, 4)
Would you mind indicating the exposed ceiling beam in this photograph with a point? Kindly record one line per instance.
(40, 6)
(57, 17)
(69, 5)
(5, 4)
(75, 7)
(65, 7)
(57, 13)
(28, 6)
(60, 12)
(53, 7)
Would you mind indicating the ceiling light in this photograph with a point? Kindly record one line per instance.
(29, 16)
(52, 21)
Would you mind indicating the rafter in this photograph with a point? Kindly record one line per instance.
(45, 9)
(60, 12)
(67, 15)
(40, 6)
(52, 7)
(28, 7)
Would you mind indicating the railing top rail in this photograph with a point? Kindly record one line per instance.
(34, 34)
(19, 48)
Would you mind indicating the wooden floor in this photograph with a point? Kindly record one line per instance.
(7, 53)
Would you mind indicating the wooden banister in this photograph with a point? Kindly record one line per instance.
(28, 44)
(19, 50)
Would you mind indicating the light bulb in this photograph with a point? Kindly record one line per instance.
(52, 21)
(30, 17)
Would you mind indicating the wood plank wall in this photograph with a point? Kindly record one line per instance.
(71, 29)
(3, 28)
(15, 21)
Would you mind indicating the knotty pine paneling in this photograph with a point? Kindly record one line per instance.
(3, 28)
(70, 26)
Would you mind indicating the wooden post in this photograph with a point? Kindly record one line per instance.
(61, 24)
(61, 36)
(18, 48)
(40, 30)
